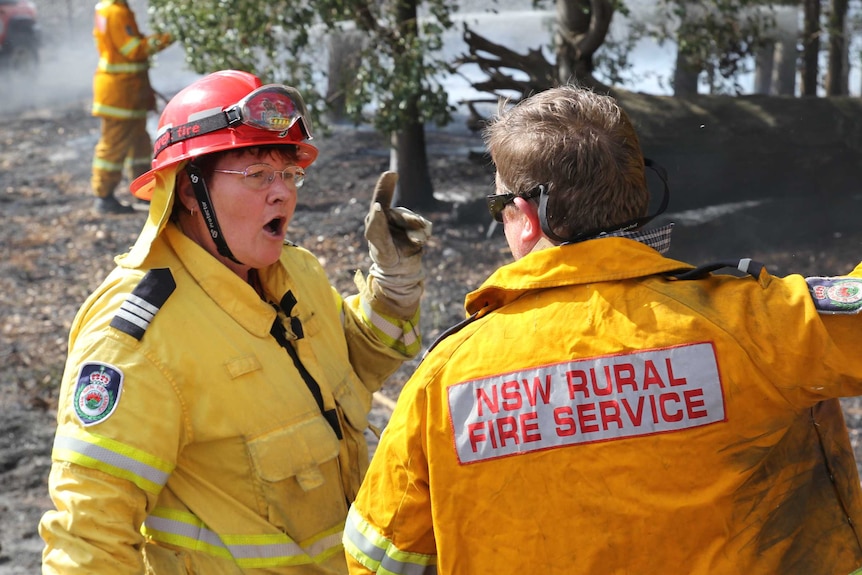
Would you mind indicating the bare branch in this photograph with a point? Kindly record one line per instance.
(539, 71)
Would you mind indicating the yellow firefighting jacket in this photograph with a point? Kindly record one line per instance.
(121, 84)
(601, 417)
(188, 440)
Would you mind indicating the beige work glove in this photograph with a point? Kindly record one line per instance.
(395, 239)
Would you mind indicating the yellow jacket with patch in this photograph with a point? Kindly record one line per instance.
(214, 458)
(121, 84)
(600, 417)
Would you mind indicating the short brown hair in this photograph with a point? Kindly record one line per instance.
(582, 144)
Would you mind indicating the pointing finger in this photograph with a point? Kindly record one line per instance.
(385, 189)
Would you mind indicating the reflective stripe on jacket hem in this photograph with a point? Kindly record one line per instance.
(114, 458)
(122, 68)
(104, 110)
(377, 553)
(250, 551)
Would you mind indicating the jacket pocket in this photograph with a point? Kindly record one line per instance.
(297, 451)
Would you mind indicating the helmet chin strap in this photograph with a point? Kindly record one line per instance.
(590, 234)
(208, 211)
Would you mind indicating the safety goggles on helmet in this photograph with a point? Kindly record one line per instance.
(273, 108)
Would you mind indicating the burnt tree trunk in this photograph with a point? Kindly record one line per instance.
(687, 71)
(784, 77)
(836, 74)
(764, 66)
(345, 46)
(582, 26)
(810, 47)
(685, 76)
(414, 189)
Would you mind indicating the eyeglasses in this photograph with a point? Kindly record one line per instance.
(497, 202)
(273, 107)
(261, 176)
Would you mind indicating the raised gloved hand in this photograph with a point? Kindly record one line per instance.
(395, 240)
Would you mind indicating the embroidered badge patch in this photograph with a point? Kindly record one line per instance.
(836, 294)
(97, 392)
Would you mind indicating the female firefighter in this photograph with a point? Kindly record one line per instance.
(217, 387)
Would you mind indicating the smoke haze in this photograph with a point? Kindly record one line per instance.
(68, 58)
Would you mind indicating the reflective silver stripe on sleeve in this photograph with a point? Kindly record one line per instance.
(112, 458)
(379, 556)
(362, 543)
(402, 568)
(396, 332)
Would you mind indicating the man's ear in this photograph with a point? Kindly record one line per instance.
(184, 191)
(531, 230)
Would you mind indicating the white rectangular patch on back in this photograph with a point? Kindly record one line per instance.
(596, 399)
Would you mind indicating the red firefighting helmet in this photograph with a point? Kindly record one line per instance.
(227, 110)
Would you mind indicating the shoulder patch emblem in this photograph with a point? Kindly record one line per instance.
(97, 392)
(139, 309)
(836, 294)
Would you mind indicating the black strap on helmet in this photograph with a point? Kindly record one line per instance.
(208, 211)
(589, 234)
(199, 127)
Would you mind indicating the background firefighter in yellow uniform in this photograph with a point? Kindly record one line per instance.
(122, 97)
(213, 407)
(611, 410)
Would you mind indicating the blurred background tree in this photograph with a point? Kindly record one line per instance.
(380, 62)
(391, 64)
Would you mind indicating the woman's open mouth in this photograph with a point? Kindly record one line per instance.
(276, 227)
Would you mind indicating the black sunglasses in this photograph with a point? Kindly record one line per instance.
(496, 202)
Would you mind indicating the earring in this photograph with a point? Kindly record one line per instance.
(192, 212)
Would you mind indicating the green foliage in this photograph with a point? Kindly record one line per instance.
(283, 41)
(396, 80)
(717, 36)
(612, 62)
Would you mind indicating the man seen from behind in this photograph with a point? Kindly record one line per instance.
(606, 409)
